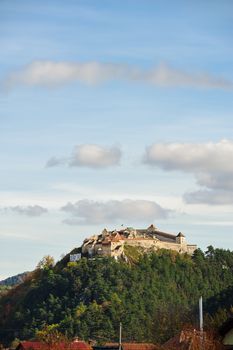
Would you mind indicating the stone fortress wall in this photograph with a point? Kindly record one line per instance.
(111, 243)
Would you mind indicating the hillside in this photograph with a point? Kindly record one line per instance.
(13, 280)
(153, 295)
(8, 283)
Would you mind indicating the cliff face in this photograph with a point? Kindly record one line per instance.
(112, 243)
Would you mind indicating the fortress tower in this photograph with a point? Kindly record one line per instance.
(180, 238)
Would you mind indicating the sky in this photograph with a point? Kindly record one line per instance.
(113, 113)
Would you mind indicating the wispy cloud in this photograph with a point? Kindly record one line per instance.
(30, 210)
(96, 212)
(91, 156)
(210, 163)
(55, 161)
(52, 74)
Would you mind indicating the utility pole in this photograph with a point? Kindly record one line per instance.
(201, 322)
(120, 336)
(201, 314)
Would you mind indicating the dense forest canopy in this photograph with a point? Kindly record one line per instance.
(153, 295)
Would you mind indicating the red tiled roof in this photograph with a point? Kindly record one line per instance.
(190, 340)
(117, 237)
(35, 345)
(175, 344)
(135, 346)
(30, 345)
(80, 345)
(139, 346)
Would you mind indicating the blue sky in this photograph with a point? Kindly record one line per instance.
(113, 112)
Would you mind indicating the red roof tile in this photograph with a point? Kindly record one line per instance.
(139, 346)
(35, 345)
(135, 346)
(191, 340)
(30, 345)
(80, 345)
(175, 344)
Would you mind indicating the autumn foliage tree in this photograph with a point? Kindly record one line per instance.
(52, 339)
(46, 262)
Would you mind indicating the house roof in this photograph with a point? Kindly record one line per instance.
(164, 236)
(36, 345)
(191, 339)
(30, 345)
(175, 344)
(117, 237)
(134, 346)
(180, 234)
(139, 346)
(80, 345)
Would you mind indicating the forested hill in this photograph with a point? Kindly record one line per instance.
(153, 296)
(13, 280)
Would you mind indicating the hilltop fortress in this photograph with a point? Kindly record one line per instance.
(111, 243)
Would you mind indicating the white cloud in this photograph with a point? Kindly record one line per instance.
(53, 74)
(91, 156)
(210, 163)
(192, 157)
(95, 212)
(30, 210)
(168, 76)
(95, 156)
(211, 197)
(219, 180)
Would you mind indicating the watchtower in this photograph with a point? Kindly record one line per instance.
(180, 238)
